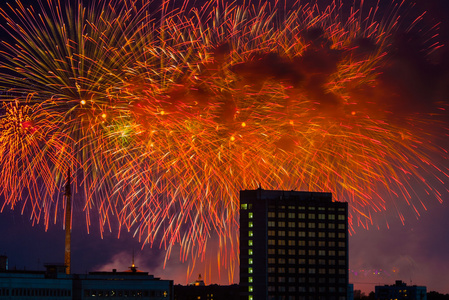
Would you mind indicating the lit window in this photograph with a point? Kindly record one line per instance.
(250, 251)
(250, 297)
(341, 217)
(301, 216)
(243, 206)
(250, 270)
(291, 215)
(250, 242)
(321, 216)
(250, 279)
(281, 233)
(250, 215)
(311, 216)
(250, 233)
(271, 224)
(250, 288)
(301, 224)
(311, 225)
(331, 217)
(291, 224)
(341, 235)
(250, 261)
(250, 224)
(271, 214)
(281, 224)
(281, 215)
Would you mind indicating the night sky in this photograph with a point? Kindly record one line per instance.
(416, 252)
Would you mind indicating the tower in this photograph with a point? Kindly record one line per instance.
(293, 245)
(68, 220)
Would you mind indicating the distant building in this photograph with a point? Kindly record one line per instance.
(197, 290)
(401, 291)
(293, 245)
(54, 283)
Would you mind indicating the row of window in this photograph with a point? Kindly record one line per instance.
(272, 207)
(303, 261)
(290, 242)
(35, 292)
(303, 289)
(321, 271)
(309, 216)
(306, 280)
(312, 252)
(124, 293)
(292, 270)
(309, 243)
(294, 297)
(282, 224)
(290, 208)
(281, 233)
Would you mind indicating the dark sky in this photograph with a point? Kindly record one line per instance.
(417, 252)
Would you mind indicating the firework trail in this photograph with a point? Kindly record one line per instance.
(167, 113)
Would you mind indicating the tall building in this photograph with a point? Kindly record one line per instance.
(401, 291)
(293, 245)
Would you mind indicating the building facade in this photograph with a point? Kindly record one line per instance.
(400, 291)
(55, 284)
(293, 246)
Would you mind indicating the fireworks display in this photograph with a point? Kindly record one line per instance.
(165, 113)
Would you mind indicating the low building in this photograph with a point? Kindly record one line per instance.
(401, 291)
(55, 284)
(198, 290)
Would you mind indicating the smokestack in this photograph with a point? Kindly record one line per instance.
(68, 219)
(3, 263)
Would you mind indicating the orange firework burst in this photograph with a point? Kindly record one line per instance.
(166, 115)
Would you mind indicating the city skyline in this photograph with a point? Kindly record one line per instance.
(395, 242)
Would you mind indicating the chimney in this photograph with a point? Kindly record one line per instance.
(68, 221)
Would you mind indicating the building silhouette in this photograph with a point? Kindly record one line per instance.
(293, 245)
(400, 291)
(198, 290)
(55, 284)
